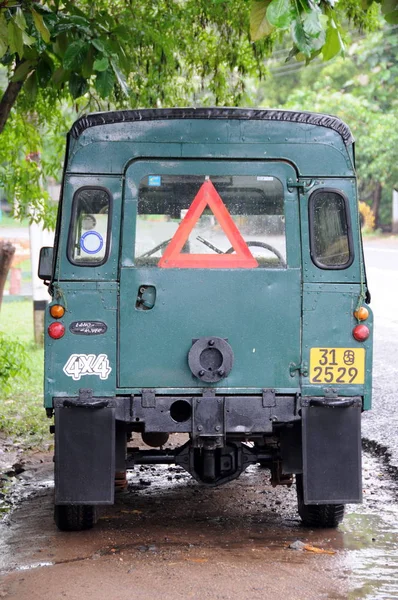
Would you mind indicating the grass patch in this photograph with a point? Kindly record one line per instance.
(22, 416)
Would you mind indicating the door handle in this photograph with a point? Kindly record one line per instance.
(146, 297)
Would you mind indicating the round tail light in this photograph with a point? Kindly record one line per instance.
(361, 333)
(57, 311)
(56, 330)
(361, 314)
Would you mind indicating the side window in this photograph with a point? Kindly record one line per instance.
(89, 231)
(330, 230)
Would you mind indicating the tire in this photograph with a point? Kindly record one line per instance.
(74, 517)
(324, 516)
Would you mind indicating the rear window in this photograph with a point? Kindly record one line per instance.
(89, 230)
(255, 203)
(330, 231)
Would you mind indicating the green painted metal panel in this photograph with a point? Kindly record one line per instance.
(312, 273)
(328, 321)
(248, 307)
(316, 151)
(84, 302)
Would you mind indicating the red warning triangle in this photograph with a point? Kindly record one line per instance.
(172, 257)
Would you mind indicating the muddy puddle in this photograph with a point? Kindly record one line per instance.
(175, 536)
(371, 537)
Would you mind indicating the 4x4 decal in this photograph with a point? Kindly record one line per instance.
(87, 364)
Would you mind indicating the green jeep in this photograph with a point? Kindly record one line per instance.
(207, 279)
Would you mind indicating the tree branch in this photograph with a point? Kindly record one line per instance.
(8, 100)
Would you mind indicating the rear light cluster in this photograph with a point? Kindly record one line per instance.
(56, 330)
(361, 332)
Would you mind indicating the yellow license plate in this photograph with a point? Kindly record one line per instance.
(337, 365)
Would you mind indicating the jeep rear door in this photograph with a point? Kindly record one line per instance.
(256, 306)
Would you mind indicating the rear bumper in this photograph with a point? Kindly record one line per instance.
(204, 415)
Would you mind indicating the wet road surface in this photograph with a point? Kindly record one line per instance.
(380, 425)
(170, 538)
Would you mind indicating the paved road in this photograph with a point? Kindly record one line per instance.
(381, 424)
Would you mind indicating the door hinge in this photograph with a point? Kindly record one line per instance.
(303, 186)
(302, 369)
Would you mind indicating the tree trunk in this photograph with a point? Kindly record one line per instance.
(376, 203)
(7, 251)
(9, 97)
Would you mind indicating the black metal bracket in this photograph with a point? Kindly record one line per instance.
(269, 400)
(303, 186)
(85, 400)
(208, 420)
(148, 398)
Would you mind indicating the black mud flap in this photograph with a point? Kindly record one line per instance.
(84, 455)
(332, 450)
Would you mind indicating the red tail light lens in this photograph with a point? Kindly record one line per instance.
(361, 333)
(56, 330)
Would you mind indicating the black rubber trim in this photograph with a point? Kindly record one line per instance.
(333, 403)
(123, 116)
(314, 258)
(91, 403)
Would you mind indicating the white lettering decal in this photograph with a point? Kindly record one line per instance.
(87, 364)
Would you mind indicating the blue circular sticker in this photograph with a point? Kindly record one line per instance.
(91, 242)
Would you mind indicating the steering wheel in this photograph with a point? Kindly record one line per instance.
(262, 245)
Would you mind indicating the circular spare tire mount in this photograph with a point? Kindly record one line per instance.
(210, 359)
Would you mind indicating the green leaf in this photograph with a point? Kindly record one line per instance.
(87, 65)
(312, 23)
(3, 29)
(73, 9)
(75, 55)
(333, 43)
(78, 86)
(30, 87)
(31, 54)
(3, 48)
(61, 44)
(45, 69)
(280, 13)
(301, 39)
(293, 52)
(125, 33)
(40, 25)
(60, 76)
(120, 78)
(101, 64)
(104, 83)
(22, 70)
(392, 17)
(15, 39)
(259, 25)
(305, 6)
(99, 45)
(28, 40)
(388, 6)
(19, 19)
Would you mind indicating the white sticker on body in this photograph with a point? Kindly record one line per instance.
(87, 364)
